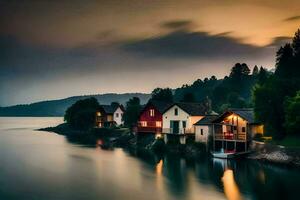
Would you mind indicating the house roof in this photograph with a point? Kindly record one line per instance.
(245, 113)
(161, 106)
(208, 119)
(193, 109)
(110, 109)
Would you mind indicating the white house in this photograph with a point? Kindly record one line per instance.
(204, 128)
(111, 115)
(179, 119)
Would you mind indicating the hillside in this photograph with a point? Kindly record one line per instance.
(58, 107)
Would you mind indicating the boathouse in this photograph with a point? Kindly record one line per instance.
(234, 130)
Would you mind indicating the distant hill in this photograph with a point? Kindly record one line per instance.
(58, 107)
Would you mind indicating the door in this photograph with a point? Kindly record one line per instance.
(174, 127)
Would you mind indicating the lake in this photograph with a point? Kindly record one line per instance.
(42, 166)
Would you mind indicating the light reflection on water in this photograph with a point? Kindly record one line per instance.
(41, 165)
(231, 189)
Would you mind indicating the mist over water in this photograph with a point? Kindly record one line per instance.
(41, 165)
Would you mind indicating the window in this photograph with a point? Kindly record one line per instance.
(117, 115)
(201, 131)
(176, 111)
(184, 124)
(243, 129)
(143, 123)
(152, 112)
(98, 114)
(234, 128)
(158, 123)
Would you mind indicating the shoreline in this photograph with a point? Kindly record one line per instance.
(109, 138)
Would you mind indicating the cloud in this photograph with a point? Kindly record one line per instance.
(195, 44)
(177, 24)
(280, 41)
(293, 18)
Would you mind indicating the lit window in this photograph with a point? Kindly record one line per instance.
(176, 111)
(158, 123)
(152, 112)
(144, 123)
(98, 114)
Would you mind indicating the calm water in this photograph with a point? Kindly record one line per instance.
(43, 166)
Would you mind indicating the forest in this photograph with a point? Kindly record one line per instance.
(274, 94)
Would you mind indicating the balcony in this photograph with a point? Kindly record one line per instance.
(229, 135)
(178, 131)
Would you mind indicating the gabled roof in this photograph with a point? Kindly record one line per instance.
(161, 106)
(208, 119)
(193, 109)
(110, 109)
(245, 113)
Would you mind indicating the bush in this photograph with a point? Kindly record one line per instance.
(81, 115)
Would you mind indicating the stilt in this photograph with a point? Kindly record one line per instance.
(234, 145)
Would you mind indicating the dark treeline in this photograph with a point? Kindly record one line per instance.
(276, 100)
(232, 91)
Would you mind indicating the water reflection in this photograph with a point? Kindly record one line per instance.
(51, 167)
(231, 189)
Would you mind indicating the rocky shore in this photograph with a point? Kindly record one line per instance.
(275, 154)
(122, 137)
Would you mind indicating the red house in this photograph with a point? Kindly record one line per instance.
(150, 119)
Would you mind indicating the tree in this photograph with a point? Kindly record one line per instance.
(239, 70)
(81, 115)
(292, 116)
(255, 71)
(189, 97)
(132, 111)
(284, 58)
(296, 44)
(162, 94)
(262, 76)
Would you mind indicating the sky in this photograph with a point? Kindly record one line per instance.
(53, 49)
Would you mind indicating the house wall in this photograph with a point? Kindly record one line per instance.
(145, 115)
(236, 121)
(118, 114)
(169, 116)
(206, 132)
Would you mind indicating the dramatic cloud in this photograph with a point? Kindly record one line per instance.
(54, 49)
(294, 18)
(179, 24)
(195, 44)
(280, 41)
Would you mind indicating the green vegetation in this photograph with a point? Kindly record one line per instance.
(276, 101)
(292, 109)
(232, 91)
(81, 115)
(132, 111)
(289, 141)
(162, 94)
